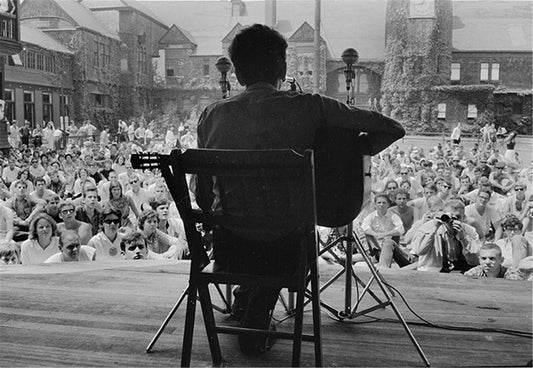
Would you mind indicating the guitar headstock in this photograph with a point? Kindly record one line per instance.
(147, 160)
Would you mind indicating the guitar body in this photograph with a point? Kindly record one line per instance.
(342, 188)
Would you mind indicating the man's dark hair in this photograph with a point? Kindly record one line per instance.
(258, 54)
(382, 195)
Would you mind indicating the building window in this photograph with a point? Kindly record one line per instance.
(141, 60)
(441, 108)
(30, 60)
(517, 108)
(49, 63)
(484, 75)
(472, 112)
(495, 72)
(456, 72)
(40, 61)
(9, 109)
(29, 107)
(64, 110)
(170, 72)
(47, 107)
(206, 68)
(101, 100)
(107, 55)
(96, 56)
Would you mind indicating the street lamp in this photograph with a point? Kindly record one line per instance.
(223, 65)
(349, 57)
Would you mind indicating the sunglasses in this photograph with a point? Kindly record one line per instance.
(134, 181)
(519, 189)
(112, 221)
(67, 212)
(446, 186)
(132, 247)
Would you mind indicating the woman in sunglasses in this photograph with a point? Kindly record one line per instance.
(107, 241)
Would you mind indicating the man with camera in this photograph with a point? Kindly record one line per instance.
(446, 243)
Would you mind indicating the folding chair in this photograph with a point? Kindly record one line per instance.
(268, 180)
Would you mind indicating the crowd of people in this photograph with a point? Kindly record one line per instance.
(450, 209)
(430, 211)
(76, 197)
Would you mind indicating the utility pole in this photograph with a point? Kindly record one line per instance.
(316, 71)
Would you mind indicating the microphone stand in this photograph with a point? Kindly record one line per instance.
(223, 65)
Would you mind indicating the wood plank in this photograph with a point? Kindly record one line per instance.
(101, 315)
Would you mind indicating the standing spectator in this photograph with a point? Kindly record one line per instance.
(48, 136)
(104, 137)
(58, 138)
(25, 134)
(14, 135)
(42, 243)
(37, 136)
(509, 155)
(131, 131)
(10, 172)
(456, 134)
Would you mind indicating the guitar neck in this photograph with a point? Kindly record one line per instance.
(150, 161)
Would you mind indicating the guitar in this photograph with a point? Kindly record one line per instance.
(342, 174)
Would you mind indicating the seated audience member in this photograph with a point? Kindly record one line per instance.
(121, 203)
(435, 205)
(41, 194)
(491, 264)
(516, 204)
(7, 229)
(71, 250)
(88, 211)
(138, 194)
(501, 182)
(514, 247)
(404, 211)
(444, 188)
(420, 205)
(446, 243)
(133, 246)
(42, 242)
(383, 230)
(10, 172)
(82, 178)
(9, 253)
(67, 212)
(466, 185)
(171, 226)
(26, 177)
(157, 241)
(103, 186)
(52, 208)
(485, 216)
(57, 185)
(25, 208)
(527, 222)
(107, 241)
(391, 187)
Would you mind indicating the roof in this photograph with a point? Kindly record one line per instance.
(37, 37)
(84, 17)
(36, 77)
(177, 36)
(124, 4)
(345, 23)
(508, 23)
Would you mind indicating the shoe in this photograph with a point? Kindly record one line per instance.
(255, 344)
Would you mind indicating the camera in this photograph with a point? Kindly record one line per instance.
(446, 218)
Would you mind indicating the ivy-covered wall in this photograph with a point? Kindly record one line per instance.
(417, 58)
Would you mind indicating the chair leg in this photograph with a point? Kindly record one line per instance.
(315, 292)
(298, 325)
(209, 320)
(188, 331)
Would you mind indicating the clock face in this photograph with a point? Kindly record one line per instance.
(422, 8)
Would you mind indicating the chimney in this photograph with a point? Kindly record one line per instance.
(270, 13)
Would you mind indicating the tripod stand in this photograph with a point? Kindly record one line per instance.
(350, 240)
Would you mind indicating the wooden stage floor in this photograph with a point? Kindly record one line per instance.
(103, 314)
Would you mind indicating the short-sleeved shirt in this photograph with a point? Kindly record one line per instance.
(488, 220)
(381, 224)
(106, 249)
(32, 253)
